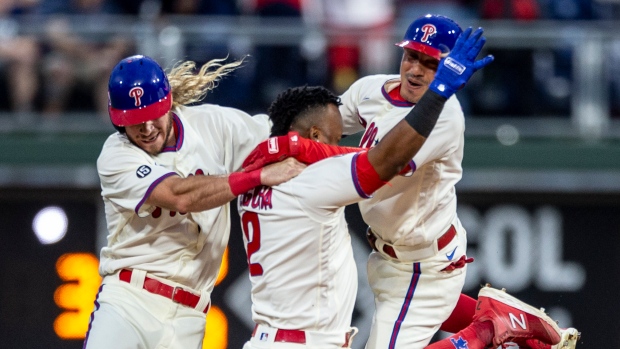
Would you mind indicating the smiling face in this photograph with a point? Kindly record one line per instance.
(417, 70)
(152, 136)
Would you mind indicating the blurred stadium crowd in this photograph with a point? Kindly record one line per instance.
(54, 69)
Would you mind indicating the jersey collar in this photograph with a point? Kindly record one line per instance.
(177, 127)
(394, 97)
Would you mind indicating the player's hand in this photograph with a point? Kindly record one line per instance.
(280, 172)
(456, 69)
(272, 150)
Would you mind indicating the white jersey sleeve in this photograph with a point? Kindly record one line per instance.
(128, 174)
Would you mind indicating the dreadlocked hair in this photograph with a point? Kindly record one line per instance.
(189, 87)
(295, 103)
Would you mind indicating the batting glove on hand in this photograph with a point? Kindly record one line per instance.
(456, 69)
(272, 150)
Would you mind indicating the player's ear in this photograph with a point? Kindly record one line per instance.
(315, 133)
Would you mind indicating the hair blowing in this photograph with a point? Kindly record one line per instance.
(189, 87)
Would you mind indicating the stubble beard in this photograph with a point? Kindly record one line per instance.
(167, 135)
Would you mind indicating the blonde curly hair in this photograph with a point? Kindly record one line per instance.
(189, 87)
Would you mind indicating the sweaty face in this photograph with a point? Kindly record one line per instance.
(417, 70)
(329, 129)
(152, 136)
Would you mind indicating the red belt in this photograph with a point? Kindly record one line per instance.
(175, 293)
(442, 242)
(289, 336)
(294, 336)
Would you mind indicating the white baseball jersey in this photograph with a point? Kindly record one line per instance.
(412, 297)
(299, 249)
(413, 210)
(186, 248)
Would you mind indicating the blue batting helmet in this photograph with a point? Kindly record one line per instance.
(433, 35)
(138, 91)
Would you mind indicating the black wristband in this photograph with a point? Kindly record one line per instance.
(423, 116)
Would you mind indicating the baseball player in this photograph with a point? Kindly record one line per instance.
(417, 268)
(167, 177)
(300, 259)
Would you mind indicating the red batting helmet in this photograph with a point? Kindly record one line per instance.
(138, 91)
(433, 35)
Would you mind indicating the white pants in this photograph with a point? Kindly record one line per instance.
(126, 317)
(413, 299)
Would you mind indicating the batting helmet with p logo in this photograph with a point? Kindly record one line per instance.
(433, 35)
(138, 91)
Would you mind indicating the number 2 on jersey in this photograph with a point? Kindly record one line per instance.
(251, 224)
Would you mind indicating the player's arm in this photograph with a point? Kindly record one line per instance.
(278, 148)
(302, 149)
(399, 145)
(199, 193)
(311, 152)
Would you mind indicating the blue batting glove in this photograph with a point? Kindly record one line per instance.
(457, 68)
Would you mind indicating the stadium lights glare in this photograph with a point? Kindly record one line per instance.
(50, 225)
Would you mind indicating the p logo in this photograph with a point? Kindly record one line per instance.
(428, 30)
(136, 93)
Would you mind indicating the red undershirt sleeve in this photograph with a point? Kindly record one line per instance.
(311, 151)
(367, 177)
